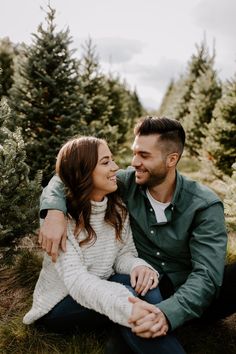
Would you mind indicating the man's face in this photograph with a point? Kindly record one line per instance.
(149, 160)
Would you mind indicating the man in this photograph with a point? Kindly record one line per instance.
(177, 224)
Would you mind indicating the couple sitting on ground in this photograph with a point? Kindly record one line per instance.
(91, 272)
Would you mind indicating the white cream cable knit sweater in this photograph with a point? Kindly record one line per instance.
(82, 272)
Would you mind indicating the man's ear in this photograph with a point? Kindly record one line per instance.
(172, 159)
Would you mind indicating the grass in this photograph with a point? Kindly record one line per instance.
(18, 280)
(20, 339)
(16, 287)
(214, 338)
(231, 249)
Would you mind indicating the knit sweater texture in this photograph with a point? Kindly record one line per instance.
(82, 272)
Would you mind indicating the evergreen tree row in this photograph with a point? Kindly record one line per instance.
(54, 96)
(18, 194)
(207, 109)
(49, 96)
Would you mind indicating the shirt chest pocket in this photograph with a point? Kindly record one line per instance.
(174, 245)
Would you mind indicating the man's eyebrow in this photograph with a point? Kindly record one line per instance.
(134, 147)
(143, 152)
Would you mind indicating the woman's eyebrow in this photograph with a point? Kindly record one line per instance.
(105, 157)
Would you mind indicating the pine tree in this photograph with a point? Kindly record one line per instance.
(199, 63)
(46, 95)
(111, 106)
(230, 201)
(18, 195)
(221, 140)
(165, 108)
(126, 107)
(205, 93)
(7, 54)
(135, 106)
(95, 90)
(192, 98)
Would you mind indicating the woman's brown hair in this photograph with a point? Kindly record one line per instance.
(76, 161)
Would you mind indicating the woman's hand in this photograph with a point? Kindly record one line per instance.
(147, 320)
(143, 279)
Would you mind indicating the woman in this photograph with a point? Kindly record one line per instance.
(81, 287)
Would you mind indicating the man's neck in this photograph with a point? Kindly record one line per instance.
(164, 191)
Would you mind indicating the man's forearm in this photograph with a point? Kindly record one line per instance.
(208, 248)
(52, 235)
(53, 197)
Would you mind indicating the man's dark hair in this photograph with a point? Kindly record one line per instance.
(169, 130)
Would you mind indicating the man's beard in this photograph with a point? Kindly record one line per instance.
(156, 179)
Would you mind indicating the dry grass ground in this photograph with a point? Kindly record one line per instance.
(216, 338)
(16, 287)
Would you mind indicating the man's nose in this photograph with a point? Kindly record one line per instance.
(135, 161)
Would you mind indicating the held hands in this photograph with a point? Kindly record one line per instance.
(143, 279)
(147, 321)
(52, 233)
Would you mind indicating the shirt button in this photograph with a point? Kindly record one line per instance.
(162, 263)
(158, 253)
(152, 232)
(151, 209)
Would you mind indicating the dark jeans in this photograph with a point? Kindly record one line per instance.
(162, 345)
(225, 304)
(68, 314)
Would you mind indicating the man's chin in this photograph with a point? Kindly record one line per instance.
(140, 181)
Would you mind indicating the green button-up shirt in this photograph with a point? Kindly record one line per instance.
(189, 247)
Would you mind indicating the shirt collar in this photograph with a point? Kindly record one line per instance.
(178, 187)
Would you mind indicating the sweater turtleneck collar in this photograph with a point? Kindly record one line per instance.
(99, 207)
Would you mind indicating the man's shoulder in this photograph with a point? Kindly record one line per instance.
(199, 191)
(126, 183)
(127, 176)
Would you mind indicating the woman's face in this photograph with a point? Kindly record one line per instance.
(104, 174)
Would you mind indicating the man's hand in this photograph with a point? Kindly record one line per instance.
(147, 321)
(53, 233)
(143, 278)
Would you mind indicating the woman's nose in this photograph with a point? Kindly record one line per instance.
(114, 166)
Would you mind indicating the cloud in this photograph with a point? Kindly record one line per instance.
(114, 50)
(157, 76)
(218, 16)
(150, 103)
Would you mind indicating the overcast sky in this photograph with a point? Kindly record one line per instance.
(147, 42)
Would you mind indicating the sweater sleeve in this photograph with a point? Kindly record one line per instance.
(127, 258)
(107, 298)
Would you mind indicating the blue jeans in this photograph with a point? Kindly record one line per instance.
(162, 345)
(68, 314)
